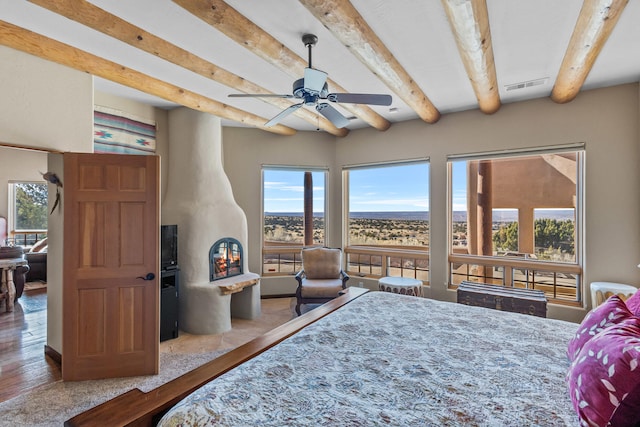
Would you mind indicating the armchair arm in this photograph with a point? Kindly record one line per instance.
(300, 276)
(345, 277)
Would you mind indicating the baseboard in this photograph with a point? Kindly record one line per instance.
(277, 296)
(53, 354)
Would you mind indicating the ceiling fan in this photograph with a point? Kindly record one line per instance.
(312, 88)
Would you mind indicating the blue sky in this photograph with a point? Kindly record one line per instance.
(385, 189)
(389, 189)
(459, 178)
(284, 191)
(376, 189)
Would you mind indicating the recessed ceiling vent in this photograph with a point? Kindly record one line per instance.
(530, 83)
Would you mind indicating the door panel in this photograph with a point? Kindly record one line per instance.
(111, 315)
(91, 302)
(92, 221)
(132, 308)
(132, 234)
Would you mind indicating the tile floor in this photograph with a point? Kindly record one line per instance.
(275, 312)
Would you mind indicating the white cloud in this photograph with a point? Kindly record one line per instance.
(283, 186)
(418, 203)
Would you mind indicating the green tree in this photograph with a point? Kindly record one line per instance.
(506, 238)
(31, 206)
(555, 234)
(551, 234)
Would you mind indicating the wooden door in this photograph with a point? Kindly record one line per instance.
(111, 229)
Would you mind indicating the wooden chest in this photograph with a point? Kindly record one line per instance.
(526, 301)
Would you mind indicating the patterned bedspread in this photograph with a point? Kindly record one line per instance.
(387, 359)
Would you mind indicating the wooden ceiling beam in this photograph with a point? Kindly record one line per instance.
(38, 45)
(469, 22)
(348, 26)
(595, 23)
(100, 20)
(237, 27)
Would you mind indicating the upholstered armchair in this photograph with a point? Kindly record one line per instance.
(321, 278)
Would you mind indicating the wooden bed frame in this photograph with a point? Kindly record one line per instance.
(137, 408)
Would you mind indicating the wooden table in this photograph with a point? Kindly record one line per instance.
(8, 288)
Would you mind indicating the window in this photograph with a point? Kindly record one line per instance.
(27, 212)
(388, 220)
(293, 216)
(514, 220)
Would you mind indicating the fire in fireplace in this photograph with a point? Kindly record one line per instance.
(225, 259)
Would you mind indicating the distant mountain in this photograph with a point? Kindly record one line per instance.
(401, 215)
(458, 216)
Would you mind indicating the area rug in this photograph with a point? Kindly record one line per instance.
(53, 404)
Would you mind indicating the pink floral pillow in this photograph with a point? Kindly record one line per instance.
(633, 303)
(610, 312)
(604, 380)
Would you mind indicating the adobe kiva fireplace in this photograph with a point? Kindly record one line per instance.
(225, 259)
(215, 281)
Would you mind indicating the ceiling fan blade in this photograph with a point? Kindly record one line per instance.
(314, 80)
(360, 98)
(284, 113)
(332, 115)
(258, 95)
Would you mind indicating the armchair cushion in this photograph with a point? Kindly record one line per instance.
(322, 263)
(321, 288)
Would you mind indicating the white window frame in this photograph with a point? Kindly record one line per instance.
(384, 253)
(292, 250)
(11, 214)
(579, 149)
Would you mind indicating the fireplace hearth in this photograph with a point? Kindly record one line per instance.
(225, 259)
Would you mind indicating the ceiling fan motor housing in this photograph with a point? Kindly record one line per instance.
(309, 39)
(300, 92)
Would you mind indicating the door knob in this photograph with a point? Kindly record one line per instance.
(149, 276)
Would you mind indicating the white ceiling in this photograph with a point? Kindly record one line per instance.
(529, 41)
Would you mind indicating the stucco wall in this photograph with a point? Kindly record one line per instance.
(605, 119)
(44, 104)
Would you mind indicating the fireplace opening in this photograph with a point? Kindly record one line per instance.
(225, 259)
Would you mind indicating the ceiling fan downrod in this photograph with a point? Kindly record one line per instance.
(309, 41)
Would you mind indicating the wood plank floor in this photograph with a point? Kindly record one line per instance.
(23, 334)
(24, 366)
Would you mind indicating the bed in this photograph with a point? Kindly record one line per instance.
(391, 359)
(377, 359)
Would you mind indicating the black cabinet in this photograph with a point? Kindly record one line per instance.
(169, 292)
